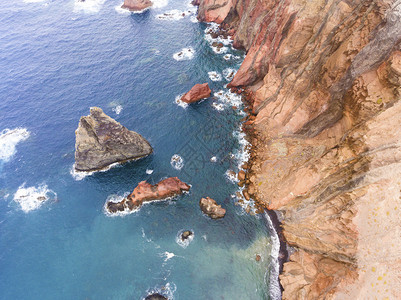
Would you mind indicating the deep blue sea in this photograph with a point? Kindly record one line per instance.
(58, 59)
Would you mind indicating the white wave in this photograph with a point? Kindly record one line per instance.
(229, 73)
(117, 109)
(218, 106)
(33, 1)
(213, 159)
(168, 255)
(231, 176)
(148, 171)
(227, 56)
(186, 242)
(32, 198)
(159, 3)
(115, 199)
(194, 19)
(219, 50)
(167, 290)
(275, 290)
(179, 102)
(177, 162)
(174, 15)
(9, 138)
(121, 10)
(184, 54)
(88, 6)
(214, 76)
(79, 175)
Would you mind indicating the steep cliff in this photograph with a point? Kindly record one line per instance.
(324, 78)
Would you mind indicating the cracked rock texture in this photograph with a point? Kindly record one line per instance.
(102, 141)
(325, 80)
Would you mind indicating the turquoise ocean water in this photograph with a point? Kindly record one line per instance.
(58, 59)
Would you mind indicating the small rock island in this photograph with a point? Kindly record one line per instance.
(102, 141)
(136, 5)
(145, 192)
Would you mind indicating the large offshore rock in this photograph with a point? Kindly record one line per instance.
(211, 208)
(136, 5)
(102, 141)
(145, 192)
(196, 93)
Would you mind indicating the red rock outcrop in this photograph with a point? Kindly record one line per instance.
(137, 5)
(196, 93)
(146, 192)
(211, 208)
(324, 77)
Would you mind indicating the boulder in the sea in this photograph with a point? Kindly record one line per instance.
(198, 92)
(136, 5)
(145, 192)
(186, 234)
(102, 141)
(241, 175)
(211, 208)
(156, 296)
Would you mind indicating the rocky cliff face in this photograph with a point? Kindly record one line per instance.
(325, 77)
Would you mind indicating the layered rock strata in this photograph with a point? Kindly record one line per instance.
(145, 192)
(102, 141)
(324, 81)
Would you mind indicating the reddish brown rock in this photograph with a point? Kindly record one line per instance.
(136, 5)
(198, 92)
(241, 175)
(211, 208)
(323, 79)
(145, 192)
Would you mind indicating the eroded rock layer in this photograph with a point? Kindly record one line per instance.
(324, 77)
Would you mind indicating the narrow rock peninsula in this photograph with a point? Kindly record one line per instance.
(323, 79)
(102, 141)
(145, 192)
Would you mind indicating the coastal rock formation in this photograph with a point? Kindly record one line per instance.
(186, 234)
(156, 296)
(102, 141)
(196, 93)
(146, 192)
(211, 208)
(323, 78)
(136, 5)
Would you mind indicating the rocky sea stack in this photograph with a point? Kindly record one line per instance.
(211, 208)
(136, 5)
(102, 141)
(196, 93)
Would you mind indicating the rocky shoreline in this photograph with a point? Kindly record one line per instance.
(322, 80)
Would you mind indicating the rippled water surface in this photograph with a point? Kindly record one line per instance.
(59, 58)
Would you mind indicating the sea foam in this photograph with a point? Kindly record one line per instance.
(179, 102)
(186, 242)
(177, 162)
(214, 76)
(174, 15)
(88, 6)
(31, 198)
(9, 138)
(184, 54)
